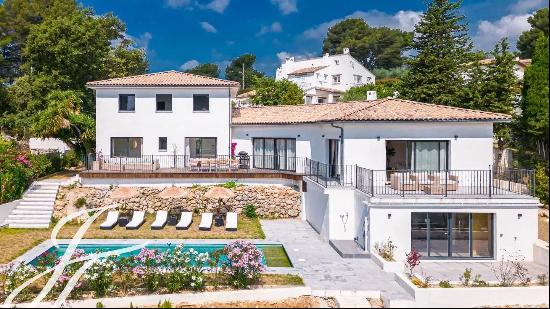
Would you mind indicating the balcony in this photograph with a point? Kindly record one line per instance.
(376, 183)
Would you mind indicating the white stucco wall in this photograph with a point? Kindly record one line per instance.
(316, 205)
(511, 234)
(365, 143)
(149, 124)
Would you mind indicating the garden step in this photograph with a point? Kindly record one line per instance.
(35, 207)
(25, 211)
(28, 217)
(43, 191)
(30, 203)
(39, 195)
(28, 221)
(39, 199)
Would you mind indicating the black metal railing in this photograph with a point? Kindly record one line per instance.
(488, 183)
(330, 175)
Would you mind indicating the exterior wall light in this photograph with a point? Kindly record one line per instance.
(519, 216)
(323, 136)
(456, 136)
(378, 138)
(299, 135)
(389, 216)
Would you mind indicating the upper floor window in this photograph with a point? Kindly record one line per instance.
(336, 79)
(163, 143)
(201, 103)
(126, 102)
(164, 102)
(358, 79)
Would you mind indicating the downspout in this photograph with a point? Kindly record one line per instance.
(230, 120)
(341, 163)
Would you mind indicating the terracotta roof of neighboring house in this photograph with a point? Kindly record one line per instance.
(247, 94)
(307, 70)
(521, 62)
(163, 79)
(376, 110)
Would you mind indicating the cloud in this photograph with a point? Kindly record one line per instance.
(510, 26)
(218, 5)
(283, 55)
(402, 20)
(526, 6)
(208, 27)
(189, 65)
(177, 3)
(274, 27)
(286, 6)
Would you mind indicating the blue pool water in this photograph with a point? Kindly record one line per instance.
(201, 248)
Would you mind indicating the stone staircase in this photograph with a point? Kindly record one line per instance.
(36, 207)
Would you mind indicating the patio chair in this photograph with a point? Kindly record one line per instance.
(185, 221)
(231, 221)
(160, 221)
(403, 182)
(110, 222)
(451, 181)
(206, 221)
(137, 220)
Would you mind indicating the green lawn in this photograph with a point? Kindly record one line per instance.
(276, 257)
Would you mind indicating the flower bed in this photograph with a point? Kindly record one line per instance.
(149, 272)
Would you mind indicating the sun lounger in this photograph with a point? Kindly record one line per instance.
(206, 221)
(111, 221)
(185, 221)
(160, 221)
(137, 220)
(231, 221)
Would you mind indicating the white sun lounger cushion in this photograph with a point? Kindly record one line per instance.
(206, 221)
(231, 221)
(161, 220)
(137, 220)
(185, 221)
(110, 221)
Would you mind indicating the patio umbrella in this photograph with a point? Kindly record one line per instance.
(221, 194)
(174, 192)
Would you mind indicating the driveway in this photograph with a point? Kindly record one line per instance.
(5, 210)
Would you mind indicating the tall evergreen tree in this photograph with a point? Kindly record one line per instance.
(527, 40)
(534, 132)
(234, 70)
(205, 69)
(442, 45)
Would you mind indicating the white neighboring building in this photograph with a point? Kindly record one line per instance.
(324, 79)
(40, 145)
(163, 113)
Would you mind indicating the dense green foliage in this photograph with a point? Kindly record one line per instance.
(19, 168)
(234, 70)
(60, 47)
(374, 47)
(492, 88)
(206, 69)
(539, 26)
(276, 92)
(442, 44)
(533, 124)
(359, 93)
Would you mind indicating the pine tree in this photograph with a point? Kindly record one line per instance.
(442, 45)
(534, 132)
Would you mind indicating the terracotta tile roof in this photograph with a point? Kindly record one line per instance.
(376, 110)
(307, 70)
(163, 79)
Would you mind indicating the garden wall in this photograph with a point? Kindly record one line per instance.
(271, 201)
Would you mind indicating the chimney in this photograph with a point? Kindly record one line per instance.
(371, 95)
(290, 59)
(346, 51)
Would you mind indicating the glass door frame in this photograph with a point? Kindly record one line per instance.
(275, 161)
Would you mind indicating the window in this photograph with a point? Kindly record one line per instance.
(163, 143)
(126, 102)
(417, 155)
(321, 100)
(309, 99)
(336, 98)
(201, 103)
(201, 147)
(452, 235)
(336, 79)
(126, 147)
(164, 102)
(275, 153)
(357, 79)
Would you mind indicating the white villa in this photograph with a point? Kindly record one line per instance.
(418, 174)
(324, 79)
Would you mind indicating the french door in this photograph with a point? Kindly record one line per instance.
(275, 153)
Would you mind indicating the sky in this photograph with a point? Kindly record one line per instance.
(180, 34)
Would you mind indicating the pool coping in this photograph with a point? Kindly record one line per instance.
(37, 250)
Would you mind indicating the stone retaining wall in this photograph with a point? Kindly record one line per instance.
(270, 201)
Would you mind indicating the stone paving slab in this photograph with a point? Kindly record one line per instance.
(323, 269)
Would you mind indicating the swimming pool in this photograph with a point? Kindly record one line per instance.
(273, 254)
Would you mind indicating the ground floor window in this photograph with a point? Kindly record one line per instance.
(201, 147)
(126, 147)
(452, 235)
(275, 153)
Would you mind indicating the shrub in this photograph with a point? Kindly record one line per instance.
(412, 261)
(70, 159)
(543, 279)
(149, 268)
(478, 282)
(445, 284)
(511, 269)
(165, 304)
(386, 250)
(466, 277)
(100, 276)
(18, 275)
(99, 305)
(250, 211)
(541, 189)
(230, 185)
(80, 202)
(244, 263)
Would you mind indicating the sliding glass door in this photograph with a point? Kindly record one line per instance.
(452, 235)
(275, 153)
(417, 155)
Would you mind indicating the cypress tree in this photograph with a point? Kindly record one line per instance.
(442, 45)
